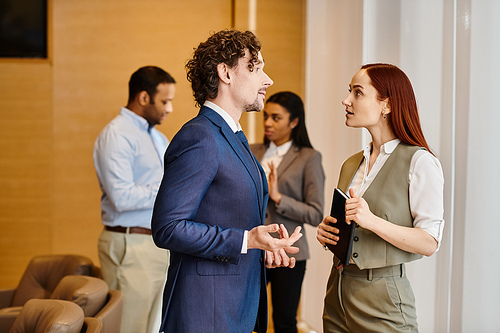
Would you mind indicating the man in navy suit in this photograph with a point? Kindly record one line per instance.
(211, 205)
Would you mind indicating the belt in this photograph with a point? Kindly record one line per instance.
(371, 273)
(129, 230)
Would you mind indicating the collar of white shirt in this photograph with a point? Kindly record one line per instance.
(279, 150)
(229, 120)
(387, 148)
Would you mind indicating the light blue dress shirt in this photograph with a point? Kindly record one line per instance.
(128, 158)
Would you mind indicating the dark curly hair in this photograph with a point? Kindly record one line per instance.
(225, 46)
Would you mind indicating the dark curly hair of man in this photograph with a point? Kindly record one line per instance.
(226, 46)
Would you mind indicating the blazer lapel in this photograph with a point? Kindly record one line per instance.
(246, 157)
(288, 159)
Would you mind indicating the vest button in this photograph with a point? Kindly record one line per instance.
(355, 255)
(356, 238)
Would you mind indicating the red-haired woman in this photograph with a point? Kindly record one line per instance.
(396, 198)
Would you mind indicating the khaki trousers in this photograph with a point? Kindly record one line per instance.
(369, 300)
(133, 264)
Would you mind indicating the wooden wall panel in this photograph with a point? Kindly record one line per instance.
(25, 165)
(52, 111)
(97, 46)
(281, 30)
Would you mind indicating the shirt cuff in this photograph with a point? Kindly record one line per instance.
(244, 246)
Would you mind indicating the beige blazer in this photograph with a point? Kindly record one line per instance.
(301, 181)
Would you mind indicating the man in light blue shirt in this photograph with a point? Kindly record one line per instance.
(128, 158)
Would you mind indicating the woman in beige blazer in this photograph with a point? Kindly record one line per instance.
(296, 195)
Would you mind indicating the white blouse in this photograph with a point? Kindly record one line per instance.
(274, 154)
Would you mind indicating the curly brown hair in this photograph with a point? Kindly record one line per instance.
(225, 46)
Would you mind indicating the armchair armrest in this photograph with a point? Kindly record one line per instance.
(8, 317)
(6, 296)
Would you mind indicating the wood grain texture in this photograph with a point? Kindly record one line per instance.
(51, 111)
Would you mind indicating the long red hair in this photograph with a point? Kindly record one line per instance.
(392, 83)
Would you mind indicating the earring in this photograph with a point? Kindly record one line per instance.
(384, 115)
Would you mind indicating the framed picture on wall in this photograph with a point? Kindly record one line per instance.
(23, 29)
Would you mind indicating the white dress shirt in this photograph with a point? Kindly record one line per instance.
(426, 186)
(235, 127)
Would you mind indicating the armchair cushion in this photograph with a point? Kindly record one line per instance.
(88, 292)
(46, 315)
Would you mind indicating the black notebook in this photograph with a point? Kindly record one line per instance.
(343, 248)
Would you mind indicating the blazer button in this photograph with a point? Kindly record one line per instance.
(356, 238)
(355, 255)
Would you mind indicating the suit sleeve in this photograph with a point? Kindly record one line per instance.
(191, 163)
(310, 210)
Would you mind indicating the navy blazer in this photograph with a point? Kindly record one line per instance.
(212, 190)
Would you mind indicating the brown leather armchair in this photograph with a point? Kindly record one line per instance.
(91, 294)
(39, 280)
(91, 325)
(95, 298)
(55, 316)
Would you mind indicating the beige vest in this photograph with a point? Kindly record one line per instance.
(388, 198)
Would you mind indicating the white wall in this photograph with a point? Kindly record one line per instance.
(450, 51)
(480, 119)
(334, 45)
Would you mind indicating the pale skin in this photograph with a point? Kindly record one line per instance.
(364, 109)
(242, 90)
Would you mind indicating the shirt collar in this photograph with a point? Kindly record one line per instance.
(389, 147)
(279, 150)
(140, 121)
(229, 120)
(386, 149)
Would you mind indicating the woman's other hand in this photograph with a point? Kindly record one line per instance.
(327, 233)
(274, 192)
(357, 210)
